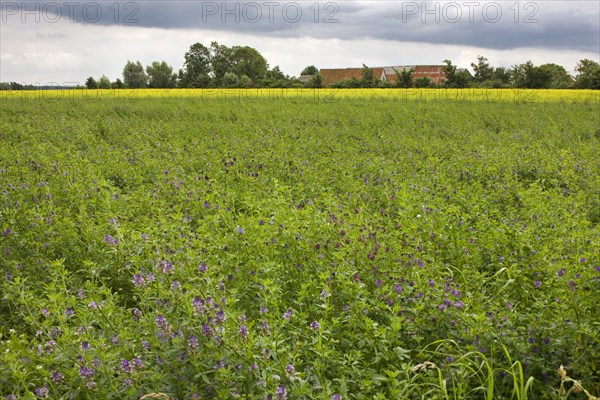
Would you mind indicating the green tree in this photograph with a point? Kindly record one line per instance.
(246, 81)
(104, 82)
(134, 75)
(220, 61)
(248, 61)
(315, 82)
(118, 84)
(423, 82)
(559, 77)
(483, 71)
(588, 74)
(404, 78)
(529, 76)
(90, 83)
(367, 77)
(310, 70)
(160, 75)
(196, 67)
(230, 80)
(455, 78)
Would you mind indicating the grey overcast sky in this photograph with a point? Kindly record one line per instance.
(64, 42)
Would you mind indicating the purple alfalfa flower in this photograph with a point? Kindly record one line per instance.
(86, 372)
(80, 294)
(420, 263)
(240, 230)
(220, 316)
(111, 241)
(127, 382)
(455, 293)
(266, 329)
(243, 332)
(560, 272)
(198, 305)
(150, 277)
(324, 294)
(202, 268)
(126, 365)
(450, 359)
(115, 339)
(85, 345)
(289, 369)
(538, 284)
(145, 344)
(57, 376)
(431, 283)
(139, 281)
(378, 283)
(42, 392)
(287, 314)
(219, 364)
(6, 232)
(398, 288)
(442, 307)
(459, 304)
(206, 204)
(207, 330)
(336, 396)
(137, 363)
(315, 325)
(161, 322)
(253, 367)
(175, 285)
(91, 385)
(281, 392)
(93, 305)
(137, 314)
(192, 344)
(582, 260)
(166, 267)
(69, 311)
(264, 310)
(597, 268)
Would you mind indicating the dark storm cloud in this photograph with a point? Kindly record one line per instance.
(495, 25)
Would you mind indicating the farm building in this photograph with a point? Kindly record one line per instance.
(387, 74)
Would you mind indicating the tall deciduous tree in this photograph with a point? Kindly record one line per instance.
(91, 83)
(134, 75)
(104, 82)
(404, 78)
(483, 71)
(248, 61)
(196, 68)
(588, 74)
(160, 75)
(310, 70)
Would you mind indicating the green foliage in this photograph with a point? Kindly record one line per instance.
(160, 75)
(104, 82)
(310, 70)
(91, 83)
(374, 247)
(404, 78)
(134, 76)
(588, 75)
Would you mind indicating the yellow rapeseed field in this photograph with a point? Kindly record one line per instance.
(477, 95)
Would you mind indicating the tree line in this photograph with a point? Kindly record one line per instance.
(526, 75)
(220, 66)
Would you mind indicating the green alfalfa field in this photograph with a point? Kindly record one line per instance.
(310, 245)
